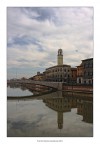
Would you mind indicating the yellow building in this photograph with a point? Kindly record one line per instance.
(38, 77)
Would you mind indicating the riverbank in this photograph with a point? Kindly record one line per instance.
(78, 88)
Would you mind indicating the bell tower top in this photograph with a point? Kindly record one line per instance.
(60, 52)
(60, 57)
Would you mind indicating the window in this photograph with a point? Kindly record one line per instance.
(89, 81)
(79, 80)
(86, 65)
(91, 73)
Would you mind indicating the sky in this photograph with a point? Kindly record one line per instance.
(34, 35)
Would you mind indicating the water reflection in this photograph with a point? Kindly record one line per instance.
(64, 104)
(17, 92)
(85, 108)
(16, 85)
(70, 112)
(26, 89)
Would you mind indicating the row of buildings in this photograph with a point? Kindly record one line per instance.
(82, 74)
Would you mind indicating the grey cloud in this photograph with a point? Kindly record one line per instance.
(23, 60)
(40, 13)
(23, 40)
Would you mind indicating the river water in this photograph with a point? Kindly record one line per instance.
(18, 92)
(57, 114)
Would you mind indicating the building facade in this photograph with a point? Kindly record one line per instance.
(74, 75)
(60, 72)
(85, 72)
(80, 74)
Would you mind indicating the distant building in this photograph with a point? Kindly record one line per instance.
(23, 78)
(38, 77)
(38, 73)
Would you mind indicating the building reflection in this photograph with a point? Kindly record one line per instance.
(64, 103)
(60, 105)
(85, 108)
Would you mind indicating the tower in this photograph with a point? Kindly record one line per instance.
(60, 57)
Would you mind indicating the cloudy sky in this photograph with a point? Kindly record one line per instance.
(34, 35)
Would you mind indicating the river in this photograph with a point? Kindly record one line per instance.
(57, 114)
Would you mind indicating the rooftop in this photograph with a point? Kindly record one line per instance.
(59, 66)
(88, 59)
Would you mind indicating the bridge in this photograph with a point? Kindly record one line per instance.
(56, 85)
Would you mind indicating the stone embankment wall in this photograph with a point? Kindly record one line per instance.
(78, 88)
